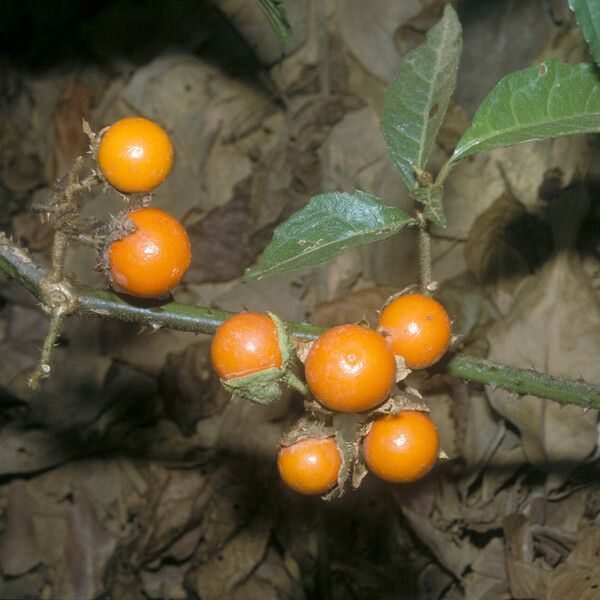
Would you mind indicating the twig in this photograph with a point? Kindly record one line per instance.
(43, 369)
(88, 302)
(59, 247)
(427, 284)
(55, 293)
(526, 381)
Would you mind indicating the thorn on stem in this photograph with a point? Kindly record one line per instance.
(43, 369)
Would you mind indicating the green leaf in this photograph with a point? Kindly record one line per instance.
(587, 13)
(416, 102)
(327, 226)
(431, 197)
(275, 13)
(536, 103)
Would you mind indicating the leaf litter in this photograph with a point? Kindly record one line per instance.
(133, 475)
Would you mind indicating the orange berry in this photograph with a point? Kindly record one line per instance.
(244, 344)
(154, 258)
(350, 368)
(135, 155)
(310, 466)
(403, 447)
(417, 328)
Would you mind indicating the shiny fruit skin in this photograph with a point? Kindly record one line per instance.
(350, 368)
(135, 155)
(417, 328)
(154, 258)
(401, 448)
(244, 344)
(310, 466)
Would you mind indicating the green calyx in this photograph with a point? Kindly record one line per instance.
(265, 387)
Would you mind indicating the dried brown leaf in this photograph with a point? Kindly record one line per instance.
(506, 241)
(190, 387)
(553, 327)
(488, 578)
(221, 244)
(29, 230)
(218, 577)
(66, 519)
(526, 580)
(70, 141)
(200, 107)
(270, 581)
(166, 583)
(574, 581)
(471, 310)
(175, 502)
(351, 308)
(374, 46)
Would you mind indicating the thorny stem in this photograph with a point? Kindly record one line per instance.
(88, 240)
(522, 381)
(425, 254)
(43, 369)
(59, 247)
(54, 292)
(19, 265)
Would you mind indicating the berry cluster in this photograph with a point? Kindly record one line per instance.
(349, 369)
(135, 155)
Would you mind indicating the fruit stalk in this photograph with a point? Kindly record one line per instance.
(425, 255)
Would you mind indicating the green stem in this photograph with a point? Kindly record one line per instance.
(59, 248)
(294, 382)
(444, 172)
(43, 369)
(18, 265)
(425, 254)
(525, 381)
(183, 317)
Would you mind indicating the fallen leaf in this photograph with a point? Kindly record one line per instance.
(488, 577)
(222, 246)
(218, 577)
(374, 46)
(201, 109)
(351, 308)
(190, 388)
(526, 580)
(72, 108)
(553, 327)
(507, 242)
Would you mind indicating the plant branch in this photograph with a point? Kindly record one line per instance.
(425, 254)
(59, 248)
(89, 302)
(43, 369)
(525, 381)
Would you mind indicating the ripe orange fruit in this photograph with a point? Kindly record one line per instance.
(135, 155)
(310, 466)
(154, 258)
(350, 368)
(403, 447)
(244, 344)
(417, 328)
